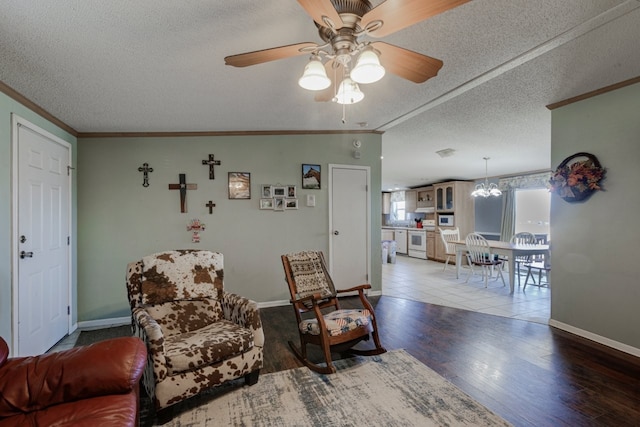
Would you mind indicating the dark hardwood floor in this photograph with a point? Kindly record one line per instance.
(528, 373)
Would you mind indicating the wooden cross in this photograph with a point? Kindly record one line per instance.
(210, 205)
(211, 164)
(183, 187)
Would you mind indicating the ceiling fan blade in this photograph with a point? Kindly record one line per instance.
(398, 14)
(406, 63)
(319, 8)
(266, 55)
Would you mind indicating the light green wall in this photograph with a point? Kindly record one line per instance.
(7, 107)
(120, 221)
(596, 284)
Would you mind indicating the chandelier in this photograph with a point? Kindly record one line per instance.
(485, 189)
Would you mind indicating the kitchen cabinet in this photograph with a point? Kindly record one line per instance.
(410, 201)
(387, 234)
(431, 244)
(445, 201)
(440, 250)
(386, 203)
(454, 198)
(425, 197)
(400, 236)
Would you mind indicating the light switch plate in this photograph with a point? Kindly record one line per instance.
(311, 200)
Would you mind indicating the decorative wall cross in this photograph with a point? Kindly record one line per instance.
(210, 205)
(211, 164)
(183, 187)
(146, 169)
(195, 226)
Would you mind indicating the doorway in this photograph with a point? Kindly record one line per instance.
(349, 225)
(41, 246)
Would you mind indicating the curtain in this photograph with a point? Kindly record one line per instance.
(509, 187)
(508, 224)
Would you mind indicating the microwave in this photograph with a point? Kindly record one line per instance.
(445, 220)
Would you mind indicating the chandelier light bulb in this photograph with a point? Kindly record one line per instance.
(349, 92)
(368, 68)
(314, 76)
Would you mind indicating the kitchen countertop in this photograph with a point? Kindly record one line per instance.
(426, 228)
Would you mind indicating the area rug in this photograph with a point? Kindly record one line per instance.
(393, 389)
(89, 337)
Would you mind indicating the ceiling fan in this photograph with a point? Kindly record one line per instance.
(343, 25)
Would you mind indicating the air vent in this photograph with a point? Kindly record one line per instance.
(447, 152)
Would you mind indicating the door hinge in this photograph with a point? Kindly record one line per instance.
(68, 240)
(69, 169)
(68, 310)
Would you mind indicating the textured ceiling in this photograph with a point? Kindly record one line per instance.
(154, 66)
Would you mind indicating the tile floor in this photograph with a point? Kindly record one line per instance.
(423, 280)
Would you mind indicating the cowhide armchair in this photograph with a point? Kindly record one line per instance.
(198, 336)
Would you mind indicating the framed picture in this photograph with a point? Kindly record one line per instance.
(311, 177)
(265, 191)
(278, 204)
(266, 204)
(291, 191)
(239, 185)
(291, 203)
(279, 191)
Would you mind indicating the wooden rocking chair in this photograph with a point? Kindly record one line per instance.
(335, 330)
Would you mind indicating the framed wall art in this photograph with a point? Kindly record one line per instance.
(278, 204)
(311, 177)
(266, 204)
(291, 203)
(291, 192)
(265, 191)
(239, 185)
(279, 191)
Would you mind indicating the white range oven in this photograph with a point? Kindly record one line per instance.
(417, 243)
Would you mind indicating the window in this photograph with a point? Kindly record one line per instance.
(532, 211)
(398, 211)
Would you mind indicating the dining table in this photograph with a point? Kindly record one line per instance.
(507, 249)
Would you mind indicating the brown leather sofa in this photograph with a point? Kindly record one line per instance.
(95, 385)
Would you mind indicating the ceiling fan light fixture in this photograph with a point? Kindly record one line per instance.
(368, 68)
(485, 189)
(314, 76)
(349, 92)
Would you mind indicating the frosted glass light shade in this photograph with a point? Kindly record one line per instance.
(349, 92)
(314, 76)
(486, 190)
(368, 68)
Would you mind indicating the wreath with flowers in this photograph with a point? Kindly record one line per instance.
(577, 180)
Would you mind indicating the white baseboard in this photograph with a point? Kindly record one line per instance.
(104, 323)
(273, 303)
(121, 321)
(597, 338)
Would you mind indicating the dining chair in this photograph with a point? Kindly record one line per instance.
(540, 266)
(448, 236)
(523, 238)
(479, 254)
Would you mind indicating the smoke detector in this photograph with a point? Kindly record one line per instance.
(447, 152)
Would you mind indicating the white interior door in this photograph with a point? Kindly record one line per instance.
(42, 247)
(349, 222)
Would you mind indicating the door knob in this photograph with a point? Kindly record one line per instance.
(336, 232)
(24, 255)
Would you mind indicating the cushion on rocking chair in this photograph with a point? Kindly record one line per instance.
(338, 322)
